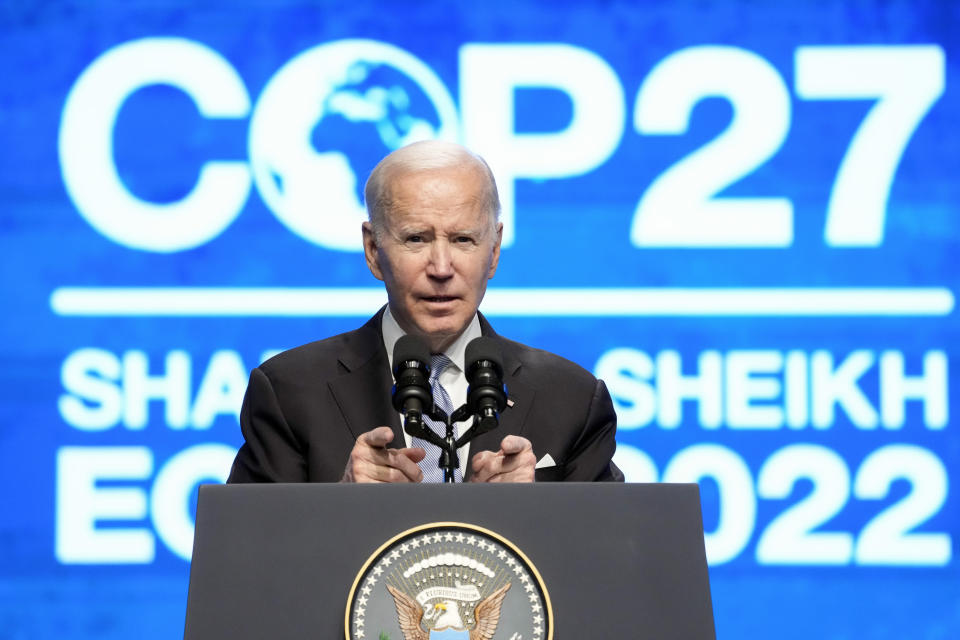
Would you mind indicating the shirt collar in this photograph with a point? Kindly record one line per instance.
(456, 351)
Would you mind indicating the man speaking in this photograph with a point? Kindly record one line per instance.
(322, 412)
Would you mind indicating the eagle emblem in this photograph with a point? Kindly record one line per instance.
(445, 614)
(448, 580)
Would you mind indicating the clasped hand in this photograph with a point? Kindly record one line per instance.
(372, 461)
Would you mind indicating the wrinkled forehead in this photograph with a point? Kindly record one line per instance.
(455, 194)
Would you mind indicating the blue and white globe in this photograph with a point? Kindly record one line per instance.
(326, 118)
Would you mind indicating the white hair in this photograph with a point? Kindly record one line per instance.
(423, 156)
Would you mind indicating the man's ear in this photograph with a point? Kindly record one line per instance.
(371, 251)
(496, 251)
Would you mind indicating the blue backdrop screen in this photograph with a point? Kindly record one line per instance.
(742, 216)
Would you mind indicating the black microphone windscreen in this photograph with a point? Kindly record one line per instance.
(410, 348)
(484, 348)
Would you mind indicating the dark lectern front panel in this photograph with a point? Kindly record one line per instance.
(623, 561)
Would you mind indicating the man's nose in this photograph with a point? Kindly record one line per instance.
(441, 259)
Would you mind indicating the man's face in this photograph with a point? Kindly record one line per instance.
(436, 252)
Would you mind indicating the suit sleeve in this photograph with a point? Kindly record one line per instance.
(271, 451)
(590, 459)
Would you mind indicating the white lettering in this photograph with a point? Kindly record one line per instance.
(221, 391)
(94, 399)
(103, 389)
(81, 504)
(738, 502)
(767, 389)
(838, 386)
(491, 74)
(681, 207)
(906, 82)
(747, 382)
(797, 390)
(627, 373)
(174, 486)
(172, 388)
(86, 144)
(930, 388)
(636, 465)
(705, 388)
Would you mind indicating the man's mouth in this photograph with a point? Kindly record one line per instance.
(439, 299)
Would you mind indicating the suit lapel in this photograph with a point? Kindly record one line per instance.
(363, 391)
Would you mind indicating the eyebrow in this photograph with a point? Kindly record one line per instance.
(473, 231)
(468, 232)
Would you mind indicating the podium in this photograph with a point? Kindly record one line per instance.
(567, 561)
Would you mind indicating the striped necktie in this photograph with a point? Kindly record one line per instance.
(430, 464)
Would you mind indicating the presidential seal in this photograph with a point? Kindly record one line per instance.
(447, 581)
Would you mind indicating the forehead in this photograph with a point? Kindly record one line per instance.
(450, 194)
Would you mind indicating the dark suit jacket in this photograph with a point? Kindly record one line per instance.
(305, 407)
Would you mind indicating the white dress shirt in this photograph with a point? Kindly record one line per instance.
(453, 378)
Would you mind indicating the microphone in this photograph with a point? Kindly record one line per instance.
(413, 397)
(486, 395)
(411, 392)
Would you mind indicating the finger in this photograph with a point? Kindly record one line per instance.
(501, 467)
(398, 469)
(365, 454)
(518, 467)
(481, 466)
(378, 438)
(416, 454)
(482, 458)
(478, 466)
(390, 465)
(371, 460)
(514, 444)
(405, 461)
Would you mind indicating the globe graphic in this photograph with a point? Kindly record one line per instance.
(325, 120)
(376, 111)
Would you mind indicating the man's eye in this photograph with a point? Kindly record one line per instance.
(414, 238)
(464, 239)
